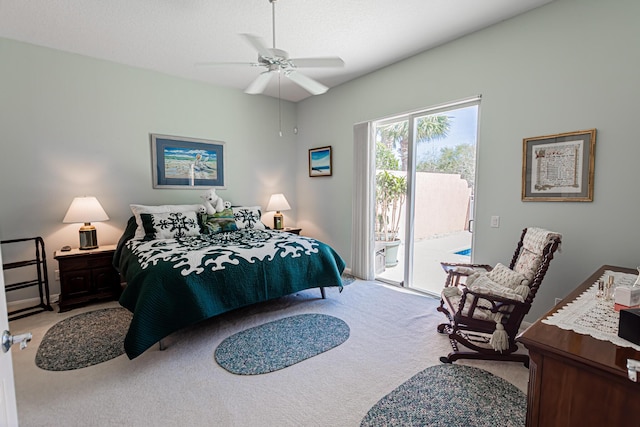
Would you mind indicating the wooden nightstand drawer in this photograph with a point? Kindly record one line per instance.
(81, 262)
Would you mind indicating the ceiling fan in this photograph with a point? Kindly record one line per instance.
(277, 61)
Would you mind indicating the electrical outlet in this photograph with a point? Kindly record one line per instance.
(57, 274)
(495, 221)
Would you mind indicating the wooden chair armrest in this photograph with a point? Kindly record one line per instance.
(453, 276)
(491, 297)
(497, 302)
(450, 266)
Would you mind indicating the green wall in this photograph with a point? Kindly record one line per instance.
(74, 126)
(566, 66)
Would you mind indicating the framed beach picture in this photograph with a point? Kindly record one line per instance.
(180, 162)
(559, 168)
(320, 161)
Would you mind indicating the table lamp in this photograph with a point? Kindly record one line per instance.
(278, 203)
(86, 210)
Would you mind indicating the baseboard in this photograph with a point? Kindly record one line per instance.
(524, 325)
(29, 302)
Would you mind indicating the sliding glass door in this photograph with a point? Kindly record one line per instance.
(425, 175)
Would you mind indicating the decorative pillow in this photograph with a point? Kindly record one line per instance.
(527, 263)
(143, 209)
(218, 222)
(487, 286)
(507, 277)
(248, 217)
(169, 225)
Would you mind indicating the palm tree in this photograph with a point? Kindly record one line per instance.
(396, 135)
(392, 145)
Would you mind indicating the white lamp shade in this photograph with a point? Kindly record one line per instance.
(85, 209)
(278, 202)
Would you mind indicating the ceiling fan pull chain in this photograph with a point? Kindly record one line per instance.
(279, 106)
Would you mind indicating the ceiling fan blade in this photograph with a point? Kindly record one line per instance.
(259, 84)
(307, 83)
(258, 44)
(329, 61)
(225, 64)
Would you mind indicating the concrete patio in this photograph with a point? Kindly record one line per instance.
(428, 275)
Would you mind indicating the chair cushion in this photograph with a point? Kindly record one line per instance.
(480, 282)
(536, 239)
(533, 244)
(453, 295)
(527, 263)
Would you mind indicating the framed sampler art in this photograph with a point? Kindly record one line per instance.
(559, 168)
(180, 162)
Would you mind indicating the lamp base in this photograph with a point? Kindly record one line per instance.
(278, 221)
(88, 237)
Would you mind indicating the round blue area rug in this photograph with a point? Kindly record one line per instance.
(281, 343)
(452, 396)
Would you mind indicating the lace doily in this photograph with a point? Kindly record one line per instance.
(594, 316)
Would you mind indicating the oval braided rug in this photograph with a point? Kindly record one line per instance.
(281, 343)
(84, 340)
(451, 395)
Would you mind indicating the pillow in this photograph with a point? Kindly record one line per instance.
(505, 276)
(169, 225)
(218, 222)
(248, 217)
(140, 209)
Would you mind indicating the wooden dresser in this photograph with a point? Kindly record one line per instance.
(577, 380)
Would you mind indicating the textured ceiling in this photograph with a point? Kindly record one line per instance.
(171, 36)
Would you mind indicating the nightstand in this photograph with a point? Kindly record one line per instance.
(87, 275)
(292, 230)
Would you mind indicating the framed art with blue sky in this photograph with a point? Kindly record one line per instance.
(180, 162)
(320, 161)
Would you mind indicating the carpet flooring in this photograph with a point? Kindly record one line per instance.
(281, 343)
(451, 395)
(392, 338)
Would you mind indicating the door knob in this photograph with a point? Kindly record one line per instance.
(8, 340)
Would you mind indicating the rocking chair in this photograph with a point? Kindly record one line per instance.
(485, 305)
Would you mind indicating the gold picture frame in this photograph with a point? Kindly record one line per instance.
(559, 168)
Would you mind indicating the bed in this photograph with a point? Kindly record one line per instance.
(176, 280)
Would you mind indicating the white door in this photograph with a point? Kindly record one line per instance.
(8, 408)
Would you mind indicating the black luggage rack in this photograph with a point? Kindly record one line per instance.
(41, 280)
